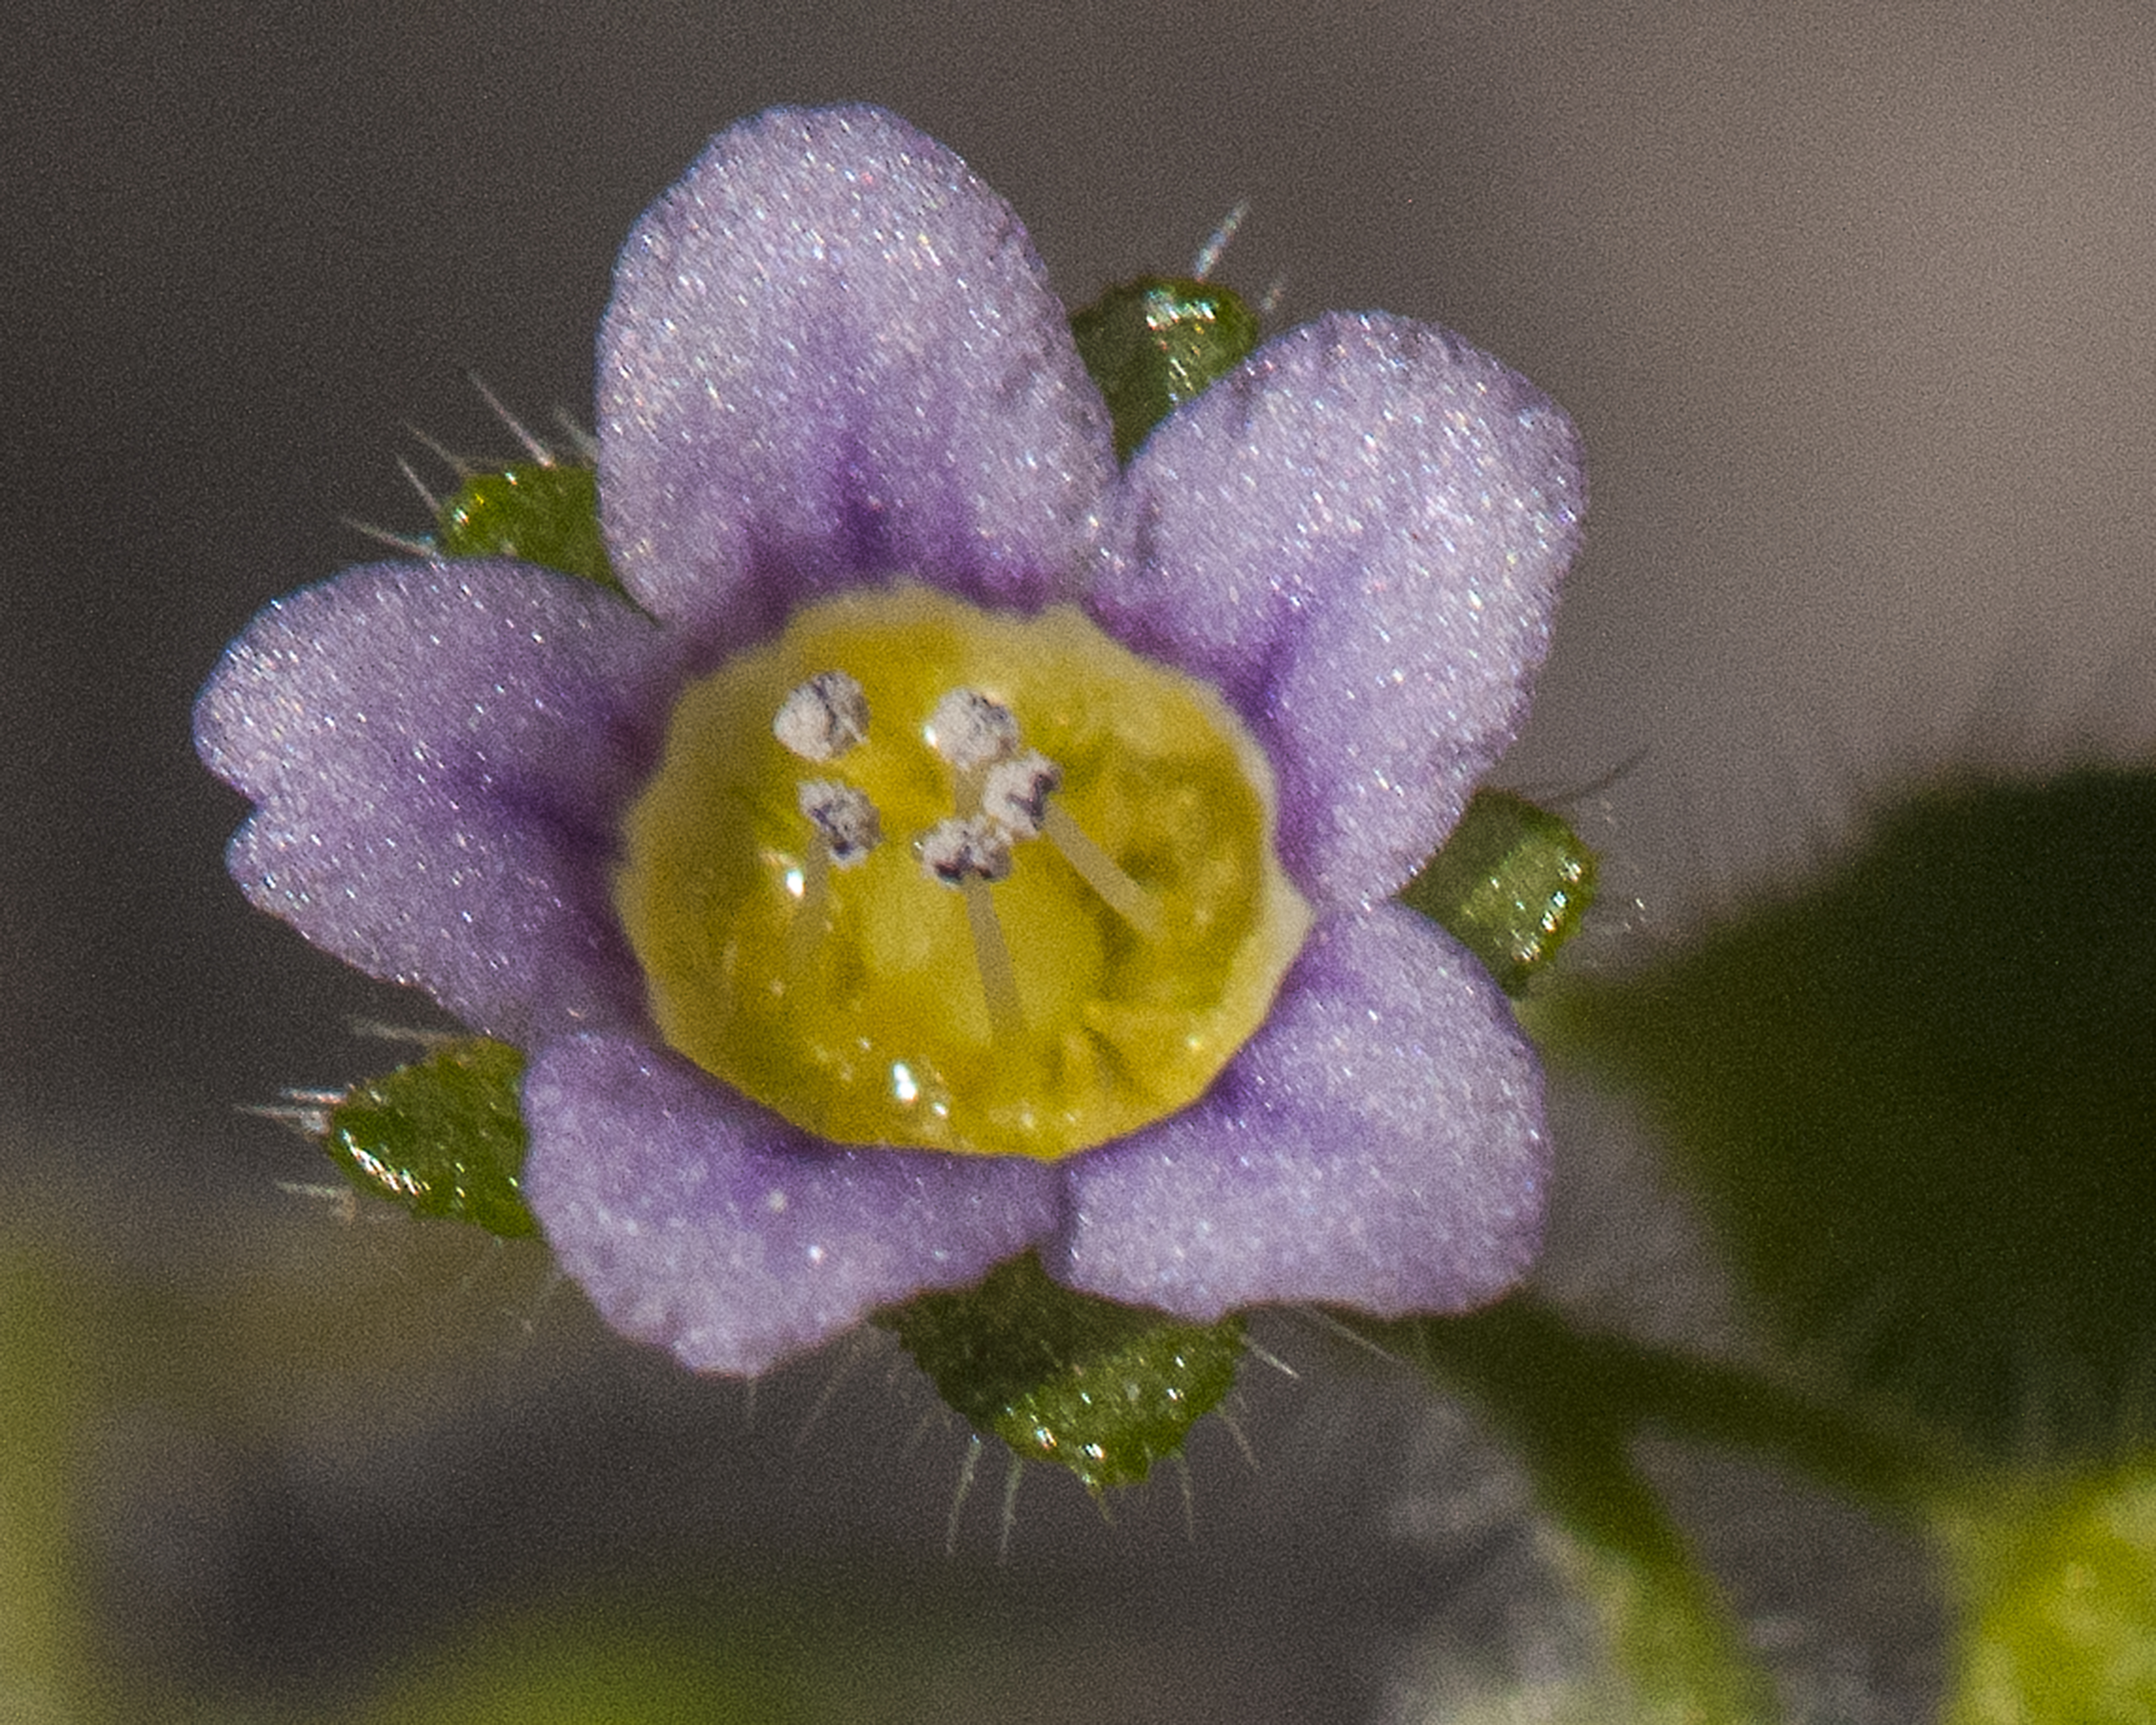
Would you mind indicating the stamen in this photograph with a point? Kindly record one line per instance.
(821, 719)
(998, 977)
(969, 852)
(1099, 870)
(829, 982)
(844, 818)
(971, 731)
(1014, 795)
(806, 930)
(847, 829)
(962, 849)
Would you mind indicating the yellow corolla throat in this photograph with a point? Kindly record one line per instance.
(921, 874)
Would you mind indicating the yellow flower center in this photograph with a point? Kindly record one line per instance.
(921, 874)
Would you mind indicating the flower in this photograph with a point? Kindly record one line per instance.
(849, 457)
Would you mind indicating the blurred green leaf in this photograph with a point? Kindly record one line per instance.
(1570, 1406)
(43, 1366)
(2062, 1582)
(1919, 1098)
(589, 1667)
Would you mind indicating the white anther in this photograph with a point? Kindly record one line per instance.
(844, 818)
(970, 848)
(821, 719)
(1014, 795)
(969, 730)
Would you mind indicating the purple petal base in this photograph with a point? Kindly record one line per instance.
(1378, 1144)
(699, 1221)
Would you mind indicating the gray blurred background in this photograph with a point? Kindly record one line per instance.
(1856, 305)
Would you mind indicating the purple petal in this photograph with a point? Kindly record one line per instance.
(1358, 538)
(437, 751)
(1378, 1143)
(832, 357)
(699, 1221)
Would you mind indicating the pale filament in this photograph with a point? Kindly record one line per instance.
(1098, 870)
(969, 852)
(805, 932)
(992, 957)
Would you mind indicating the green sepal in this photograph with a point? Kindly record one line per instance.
(1918, 1097)
(1103, 1390)
(1513, 884)
(545, 512)
(1153, 343)
(2061, 1582)
(443, 1137)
